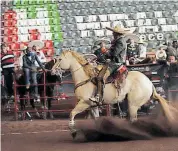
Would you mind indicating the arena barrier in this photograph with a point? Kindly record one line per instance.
(71, 96)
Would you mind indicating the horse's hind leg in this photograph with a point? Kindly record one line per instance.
(132, 112)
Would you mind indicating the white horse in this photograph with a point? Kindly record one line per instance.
(137, 87)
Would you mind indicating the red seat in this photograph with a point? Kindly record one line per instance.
(14, 30)
(15, 46)
(48, 44)
(8, 39)
(8, 31)
(10, 15)
(50, 52)
(14, 38)
(8, 23)
(32, 31)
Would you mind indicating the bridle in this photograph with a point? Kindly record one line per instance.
(59, 69)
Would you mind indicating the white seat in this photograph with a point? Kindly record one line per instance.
(105, 24)
(46, 21)
(40, 22)
(103, 17)
(99, 33)
(48, 36)
(23, 38)
(47, 28)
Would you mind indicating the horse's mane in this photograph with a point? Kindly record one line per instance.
(88, 68)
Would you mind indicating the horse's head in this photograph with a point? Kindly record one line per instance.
(63, 62)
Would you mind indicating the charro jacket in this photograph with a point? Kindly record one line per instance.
(118, 50)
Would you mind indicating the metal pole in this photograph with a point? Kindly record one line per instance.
(15, 98)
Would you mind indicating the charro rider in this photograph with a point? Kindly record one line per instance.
(113, 59)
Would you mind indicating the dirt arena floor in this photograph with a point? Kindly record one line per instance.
(53, 135)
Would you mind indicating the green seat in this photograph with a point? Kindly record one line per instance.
(31, 8)
(54, 28)
(16, 2)
(55, 14)
(31, 15)
(56, 44)
(54, 21)
(24, 2)
(40, 2)
(52, 7)
(32, 2)
(57, 36)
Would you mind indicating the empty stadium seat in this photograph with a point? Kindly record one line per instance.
(46, 36)
(57, 36)
(48, 44)
(15, 46)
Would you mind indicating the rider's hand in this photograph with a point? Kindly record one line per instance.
(108, 60)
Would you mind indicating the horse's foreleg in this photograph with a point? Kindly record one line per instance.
(80, 107)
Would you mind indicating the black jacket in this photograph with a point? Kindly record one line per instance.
(118, 50)
(30, 63)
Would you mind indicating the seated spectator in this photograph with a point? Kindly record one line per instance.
(175, 44)
(172, 59)
(7, 65)
(131, 49)
(142, 49)
(30, 69)
(171, 51)
(161, 53)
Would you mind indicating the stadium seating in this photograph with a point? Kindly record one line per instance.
(76, 24)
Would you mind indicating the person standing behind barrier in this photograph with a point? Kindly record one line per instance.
(7, 64)
(30, 69)
(40, 55)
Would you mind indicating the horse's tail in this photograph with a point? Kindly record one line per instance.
(164, 105)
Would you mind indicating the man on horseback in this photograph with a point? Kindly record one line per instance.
(113, 59)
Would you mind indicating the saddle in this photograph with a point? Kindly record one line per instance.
(118, 76)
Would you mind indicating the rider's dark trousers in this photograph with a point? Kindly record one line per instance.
(8, 79)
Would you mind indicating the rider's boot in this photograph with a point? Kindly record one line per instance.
(95, 99)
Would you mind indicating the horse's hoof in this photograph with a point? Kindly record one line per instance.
(51, 116)
(74, 134)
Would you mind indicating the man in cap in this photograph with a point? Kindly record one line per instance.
(116, 56)
(30, 68)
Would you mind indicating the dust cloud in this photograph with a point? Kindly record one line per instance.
(115, 129)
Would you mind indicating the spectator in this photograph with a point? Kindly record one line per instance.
(175, 44)
(132, 49)
(30, 69)
(36, 46)
(142, 49)
(171, 51)
(7, 65)
(161, 53)
(172, 59)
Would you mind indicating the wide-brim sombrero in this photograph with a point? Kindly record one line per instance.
(161, 46)
(141, 41)
(37, 43)
(120, 30)
(23, 48)
(132, 36)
